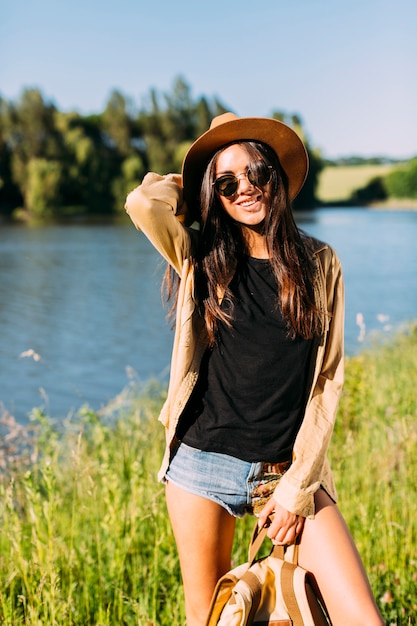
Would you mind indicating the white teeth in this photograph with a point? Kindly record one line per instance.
(248, 203)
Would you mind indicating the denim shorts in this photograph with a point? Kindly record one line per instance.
(239, 486)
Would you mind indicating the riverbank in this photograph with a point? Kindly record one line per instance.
(399, 204)
(85, 538)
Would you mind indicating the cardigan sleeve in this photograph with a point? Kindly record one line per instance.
(296, 489)
(156, 207)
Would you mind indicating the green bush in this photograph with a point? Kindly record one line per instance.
(402, 181)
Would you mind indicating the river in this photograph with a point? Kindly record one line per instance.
(81, 314)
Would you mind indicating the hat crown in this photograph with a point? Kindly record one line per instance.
(223, 119)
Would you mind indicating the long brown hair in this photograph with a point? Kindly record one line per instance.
(222, 246)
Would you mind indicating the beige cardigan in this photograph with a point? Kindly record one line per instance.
(155, 207)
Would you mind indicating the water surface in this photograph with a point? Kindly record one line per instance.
(86, 299)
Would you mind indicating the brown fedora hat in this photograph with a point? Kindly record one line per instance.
(228, 128)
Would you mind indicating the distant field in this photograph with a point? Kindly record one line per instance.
(338, 183)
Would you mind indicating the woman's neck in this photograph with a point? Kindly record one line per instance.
(255, 243)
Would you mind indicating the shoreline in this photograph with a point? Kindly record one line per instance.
(390, 204)
(402, 204)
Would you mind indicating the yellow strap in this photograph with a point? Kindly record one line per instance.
(220, 598)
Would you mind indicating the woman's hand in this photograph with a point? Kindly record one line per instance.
(284, 527)
(168, 189)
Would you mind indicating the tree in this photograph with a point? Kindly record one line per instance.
(56, 163)
(118, 124)
(10, 197)
(203, 116)
(306, 199)
(180, 113)
(132, 172)
(402, 181)
(88, 164)
(43, 189)
(171, 122)
(29, 134)
(157, 150)
(167, 122)
(373, 191)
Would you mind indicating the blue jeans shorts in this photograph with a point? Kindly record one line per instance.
(239, 486)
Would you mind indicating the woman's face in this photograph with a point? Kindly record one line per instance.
(249, 205)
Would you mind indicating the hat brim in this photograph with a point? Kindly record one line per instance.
(281, 138)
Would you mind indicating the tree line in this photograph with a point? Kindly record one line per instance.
(55, 163)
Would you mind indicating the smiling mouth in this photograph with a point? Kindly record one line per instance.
(249, 203)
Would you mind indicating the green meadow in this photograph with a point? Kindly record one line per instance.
(84, 534)
(337, 183)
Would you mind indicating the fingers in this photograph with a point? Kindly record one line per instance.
(287, 533)
(284, 527)
(283, 533)
(264, 515)
(175, 178)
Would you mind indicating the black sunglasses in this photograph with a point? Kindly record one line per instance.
(258, 175)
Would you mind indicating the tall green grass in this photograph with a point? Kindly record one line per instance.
(374, 457)
(84, 534)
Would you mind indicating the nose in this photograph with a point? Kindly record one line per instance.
(243, 181)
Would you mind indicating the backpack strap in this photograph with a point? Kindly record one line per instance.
(257, 539)
(255, 586)
(288, 593)
(288, 554)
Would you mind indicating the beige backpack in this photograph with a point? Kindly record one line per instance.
(273, 590)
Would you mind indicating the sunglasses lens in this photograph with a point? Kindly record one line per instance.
(226, 185)
(259, 174)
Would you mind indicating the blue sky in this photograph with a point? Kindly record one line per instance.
(347, 67)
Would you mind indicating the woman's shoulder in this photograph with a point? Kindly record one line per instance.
(324, 254)
(319, 248)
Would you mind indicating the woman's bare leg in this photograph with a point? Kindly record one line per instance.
(204, 533)
(327, 550)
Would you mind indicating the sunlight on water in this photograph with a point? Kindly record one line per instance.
(81, 314)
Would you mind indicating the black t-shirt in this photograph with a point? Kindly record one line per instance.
(251, 394)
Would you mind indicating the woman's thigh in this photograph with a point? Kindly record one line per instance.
(204, 532)
(328, 551)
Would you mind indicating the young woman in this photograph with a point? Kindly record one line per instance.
(257, 364)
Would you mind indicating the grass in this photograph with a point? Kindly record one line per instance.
(373, 455)
(84, 534)
(336, 184)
